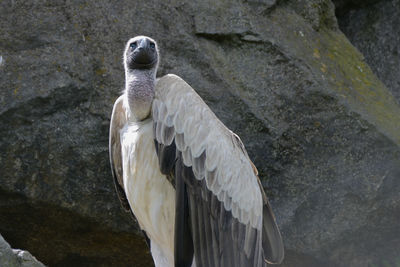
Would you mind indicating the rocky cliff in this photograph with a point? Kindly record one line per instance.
(322, 129)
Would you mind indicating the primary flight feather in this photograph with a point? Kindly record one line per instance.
(184, 175)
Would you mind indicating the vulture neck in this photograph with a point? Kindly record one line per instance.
(139, 92)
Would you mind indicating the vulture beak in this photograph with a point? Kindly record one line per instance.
(141, 54)
(144, 56)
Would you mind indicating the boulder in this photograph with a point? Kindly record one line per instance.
(322, 129)
(15, 257)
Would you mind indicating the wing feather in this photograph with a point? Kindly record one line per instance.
(183, 238)
(231, 221)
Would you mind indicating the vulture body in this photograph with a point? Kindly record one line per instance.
(184, 175)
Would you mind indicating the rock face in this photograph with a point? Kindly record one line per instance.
(344, 6)
(16, 258)
(374, 29)
(323, 131)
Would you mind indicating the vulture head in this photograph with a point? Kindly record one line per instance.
(141, 52)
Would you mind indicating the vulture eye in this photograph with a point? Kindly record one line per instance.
(133, 45)
(152, 45)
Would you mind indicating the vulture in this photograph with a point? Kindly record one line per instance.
(184, 175)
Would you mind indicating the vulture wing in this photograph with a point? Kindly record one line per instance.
(118, 119)
(221, 207)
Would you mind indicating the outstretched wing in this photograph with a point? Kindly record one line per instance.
(220, 203)
(118, 119)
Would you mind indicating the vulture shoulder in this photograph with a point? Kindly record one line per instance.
(222, 213)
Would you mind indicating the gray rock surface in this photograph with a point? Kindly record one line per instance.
(375, 30)
(15, 257)
(323, 131)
